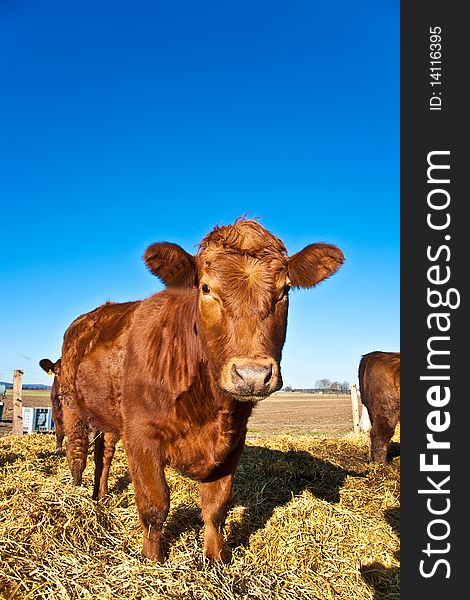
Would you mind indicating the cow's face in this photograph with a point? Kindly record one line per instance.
(243, 304)
(243, 276)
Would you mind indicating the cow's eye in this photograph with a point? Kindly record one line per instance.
(285, 291)
(205, 288)
(283, 294)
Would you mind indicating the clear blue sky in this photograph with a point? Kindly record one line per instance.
(126, 123)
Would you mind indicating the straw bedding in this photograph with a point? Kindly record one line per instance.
(310, 518)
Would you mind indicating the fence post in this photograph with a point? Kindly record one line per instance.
(17, 402)
(355, 408)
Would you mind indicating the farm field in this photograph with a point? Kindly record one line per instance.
(291, 412)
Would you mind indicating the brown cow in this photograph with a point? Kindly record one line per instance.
(104, 444)
(379, 383)
(177, 375)
(57, 417)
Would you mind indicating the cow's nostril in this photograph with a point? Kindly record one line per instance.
(237, 377)
(269, 374)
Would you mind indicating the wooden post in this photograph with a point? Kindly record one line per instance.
(17, 403)
(355, 408)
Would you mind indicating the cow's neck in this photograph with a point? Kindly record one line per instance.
(208, 419)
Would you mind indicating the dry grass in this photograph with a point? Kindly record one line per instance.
(310, 519)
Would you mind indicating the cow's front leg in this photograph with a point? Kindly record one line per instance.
(77, 443)
(152, 495)
(215, 496)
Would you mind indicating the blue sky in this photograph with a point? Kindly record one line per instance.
(126, 123)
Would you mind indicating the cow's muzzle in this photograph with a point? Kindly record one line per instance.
(251, 379)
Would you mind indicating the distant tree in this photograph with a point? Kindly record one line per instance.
(287, 388)
(323, 384)
(345, 386)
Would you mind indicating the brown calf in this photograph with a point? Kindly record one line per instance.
(379, 383)
(56, 403)
(177, 375)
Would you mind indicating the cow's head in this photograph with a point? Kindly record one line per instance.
(243, 275)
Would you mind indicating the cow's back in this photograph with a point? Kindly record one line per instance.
(92, 358)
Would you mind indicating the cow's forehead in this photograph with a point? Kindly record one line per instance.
(246, 263)
(243, 269)
(246, 284)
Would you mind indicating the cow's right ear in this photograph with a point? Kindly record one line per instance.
(313, 264)
(47, 365)
(171, 264)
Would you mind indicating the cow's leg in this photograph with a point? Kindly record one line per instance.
(77, 443)
(59, 429)
(98, 455)
(59, 440)
(110, 441)
(58, 423)
(380, 436)
(152, 495)
(215, 496)
(105, 445)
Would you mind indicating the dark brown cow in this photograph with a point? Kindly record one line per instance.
(177, 375)
(379, 383)
(57, 417)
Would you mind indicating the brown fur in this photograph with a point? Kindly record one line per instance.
(56, 402)
(379, 383)
(177, 375)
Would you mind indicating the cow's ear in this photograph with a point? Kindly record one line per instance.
(171, 264)
(314, 264)
(47, 365)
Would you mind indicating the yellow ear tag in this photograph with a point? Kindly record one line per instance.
(50, 372)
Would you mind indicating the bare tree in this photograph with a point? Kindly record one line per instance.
(323, 384)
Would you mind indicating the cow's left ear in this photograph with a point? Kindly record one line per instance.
(47, 365)
(314, 264)
(171, 264)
